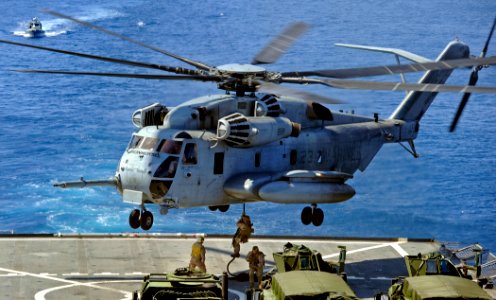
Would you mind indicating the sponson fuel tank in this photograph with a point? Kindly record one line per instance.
(297, 186)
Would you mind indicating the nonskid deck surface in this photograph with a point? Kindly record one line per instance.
(112, 266)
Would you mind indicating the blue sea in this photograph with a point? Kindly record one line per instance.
(55, 127)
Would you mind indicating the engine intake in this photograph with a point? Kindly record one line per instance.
(268, 106)
(240, 131)
(149, 115)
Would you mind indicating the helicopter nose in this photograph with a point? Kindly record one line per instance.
(135, 172)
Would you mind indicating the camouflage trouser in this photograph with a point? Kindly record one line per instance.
(236, 245)
(259, 271)
(196, 262)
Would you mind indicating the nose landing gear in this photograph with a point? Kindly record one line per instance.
(312, 215)
(146, 220)
(134, 218)
(143, 219)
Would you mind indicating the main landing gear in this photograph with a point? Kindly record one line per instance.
(141, 218)
(221, 208)
(312, 215)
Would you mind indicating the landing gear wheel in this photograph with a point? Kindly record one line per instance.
(212, 208)
(134, 219)
(146, 220)
(317, 217)
(306, 215)
(223, 208)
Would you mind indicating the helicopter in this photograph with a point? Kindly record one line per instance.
(260, 140)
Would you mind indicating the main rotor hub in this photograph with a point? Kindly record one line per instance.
(240, 78)
(244, 69)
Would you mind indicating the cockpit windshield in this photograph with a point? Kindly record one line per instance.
(135, 141)
(143, 143)
(149, 143)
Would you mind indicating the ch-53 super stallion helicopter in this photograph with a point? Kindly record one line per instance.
(261, 141)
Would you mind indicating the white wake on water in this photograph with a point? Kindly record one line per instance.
(58, 26)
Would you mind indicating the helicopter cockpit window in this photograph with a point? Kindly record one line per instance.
(168, 168)
(190, 154)
(170, 147)
(149, 143)
(135, 141)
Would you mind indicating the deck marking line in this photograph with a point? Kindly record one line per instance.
(355, 278)
(41, 294)
(357, 250)
(71, 282)
(106, 274)
(401, 251)
(381, 278)
(369, 278)
(75, 274)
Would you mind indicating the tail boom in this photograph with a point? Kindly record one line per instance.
(415, 104)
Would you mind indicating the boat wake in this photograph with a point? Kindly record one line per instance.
(47, 33)
(58, 26)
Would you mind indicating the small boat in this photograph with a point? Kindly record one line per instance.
(35, 29)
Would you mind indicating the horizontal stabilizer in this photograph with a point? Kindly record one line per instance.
(400, 52)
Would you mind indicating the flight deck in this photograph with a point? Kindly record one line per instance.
(112, 266)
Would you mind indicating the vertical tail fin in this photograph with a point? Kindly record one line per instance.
(415, 104)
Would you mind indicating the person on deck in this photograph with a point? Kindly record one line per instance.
(256, 263)
(198, 256)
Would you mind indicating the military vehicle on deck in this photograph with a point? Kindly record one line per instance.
(432, 276)
(306, 285)
(303, 274)
(299, 257)
(182, 284)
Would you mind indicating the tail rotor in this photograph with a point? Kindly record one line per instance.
(474, 76)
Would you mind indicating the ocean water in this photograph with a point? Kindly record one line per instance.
(55, 127)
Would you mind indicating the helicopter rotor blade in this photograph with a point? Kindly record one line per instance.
(395, 69)
(126, 75)
(400, 86)
(280, 44)
(488, 40)
(191, 62)
(177, 70)
(276, 89)
(389, 86)
(460, 109)
(474, 76)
